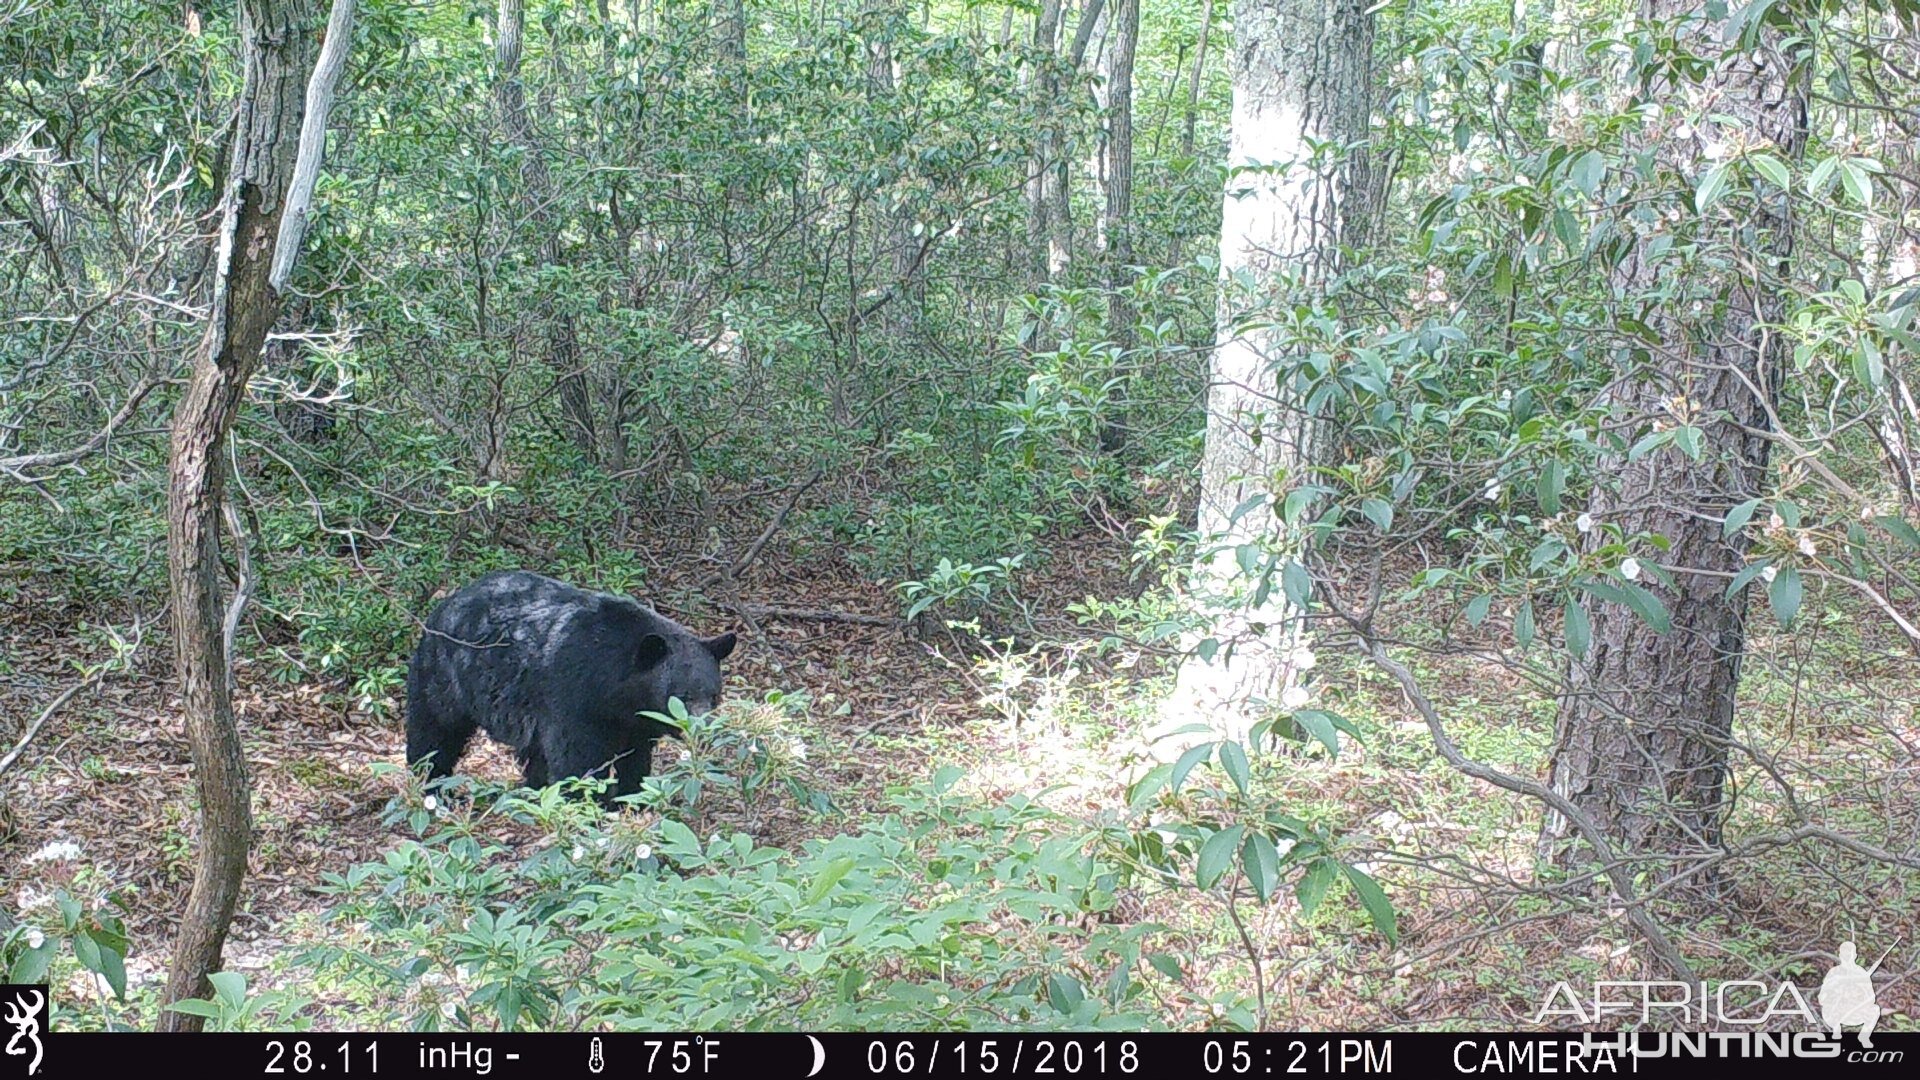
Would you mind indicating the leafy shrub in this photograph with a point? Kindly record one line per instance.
(935, 916)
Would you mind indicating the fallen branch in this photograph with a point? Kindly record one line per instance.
(779, 519)
(47, 714)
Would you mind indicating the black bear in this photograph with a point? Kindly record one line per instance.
(559, 674)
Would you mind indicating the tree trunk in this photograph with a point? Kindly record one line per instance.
(279, 134)
(563, 343)
(1045, 92)
(730, 30)
(1193, 82)
(1641, 738)
(1119, 215)
(1299, 74)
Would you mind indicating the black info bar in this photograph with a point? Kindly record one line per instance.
(793, 1056)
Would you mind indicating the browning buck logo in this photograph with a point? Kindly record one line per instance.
(24, 1009)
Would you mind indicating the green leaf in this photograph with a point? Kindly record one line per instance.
(1167, 965)
(1233, 758)
(196, 1007)
(1738, 517)
(1064, 993)
(1313, 885)
(1589, 170)
(1523, 627)
(827, 879)
(1772, 168)
(1378, 511)
(1477, 609)
(1822, 175)
(1216, 855)
(31, 965)
(1262, 862)
(1553, 480)
(1900, 528)
(1374, 899)
(1712, 184)
(1855, 182)
(1321, 725)
(1296, 584)
(677, 839)
(1741, 579)
(1785, 593)
(1579, 629)
(1194, 756)
(945, 777)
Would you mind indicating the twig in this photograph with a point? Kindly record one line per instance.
(47, 714)
(779, 518)
(242, 591)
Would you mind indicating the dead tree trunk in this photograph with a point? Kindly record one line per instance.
(279, 136)
(1641, 742)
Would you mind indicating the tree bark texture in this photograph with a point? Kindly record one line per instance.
(1642, 737)
(279, 42)
(1299, 74)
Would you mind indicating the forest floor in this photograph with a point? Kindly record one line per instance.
(110, 775)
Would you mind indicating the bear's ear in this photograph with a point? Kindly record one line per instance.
(721, 647)
(652, 650)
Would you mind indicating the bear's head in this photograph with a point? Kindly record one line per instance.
(671, 662)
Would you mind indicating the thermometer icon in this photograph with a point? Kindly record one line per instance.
(595, 1062)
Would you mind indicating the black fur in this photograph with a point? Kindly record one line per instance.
(557, 673)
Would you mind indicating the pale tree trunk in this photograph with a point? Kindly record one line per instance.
(1119, 213)
(1059, 179)
(730, 30)
(1299, 73)
(563, 342)
(901, 256)
(1045, 93)
(1641, 740)
(1891, 261)
(279, 134)
(1193, 81)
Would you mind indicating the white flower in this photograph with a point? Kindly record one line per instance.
(1768, 574)
(432, 803)
(797, 747)
(1807, 546)
(579, 853)
(35, 938)
(58, 851)
(643, 852)
(1584, 523)
(1218, 1009)
(1303, 659)
(1295, 697)
(449, 1007)
(1492, 494)
(1630, 568)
